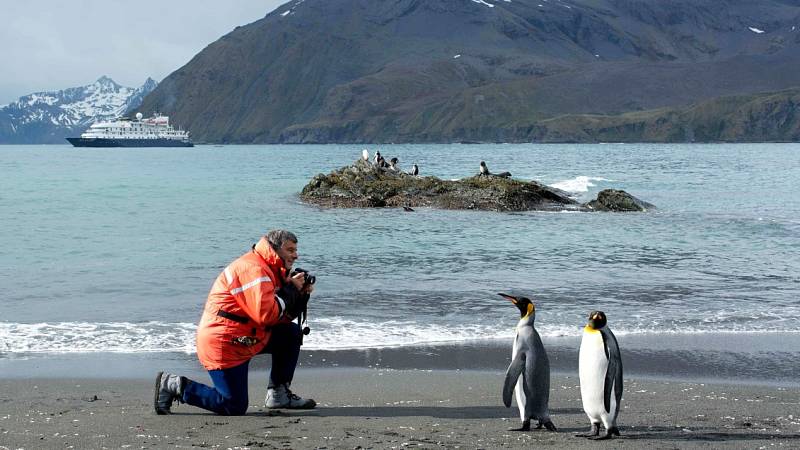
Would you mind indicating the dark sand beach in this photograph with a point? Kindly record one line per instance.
(380, 408)
(372, 399)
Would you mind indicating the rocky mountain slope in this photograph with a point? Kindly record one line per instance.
(482, 70)
(49, 117)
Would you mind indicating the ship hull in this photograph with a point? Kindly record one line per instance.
(104, 142)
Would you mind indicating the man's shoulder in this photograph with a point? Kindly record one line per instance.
(250, 262)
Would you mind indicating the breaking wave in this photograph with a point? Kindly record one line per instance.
(327, 334)
(577, 185)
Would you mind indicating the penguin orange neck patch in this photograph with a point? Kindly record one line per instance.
(531, 309)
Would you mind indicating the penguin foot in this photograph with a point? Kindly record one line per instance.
(593, 431)
(549, 425)
(526, 426)
(614, 430)
(603, 437)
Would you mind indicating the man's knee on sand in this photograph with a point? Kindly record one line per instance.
(237, 407)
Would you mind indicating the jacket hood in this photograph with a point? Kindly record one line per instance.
(265, 251)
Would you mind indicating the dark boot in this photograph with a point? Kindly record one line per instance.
(168, 388)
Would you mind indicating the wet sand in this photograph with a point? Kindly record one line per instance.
(386, 408)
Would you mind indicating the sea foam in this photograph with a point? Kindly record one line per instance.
(327, 334)
(577, 185)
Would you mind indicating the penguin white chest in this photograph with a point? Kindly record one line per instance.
(592, 366)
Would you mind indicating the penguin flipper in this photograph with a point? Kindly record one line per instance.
(512, 375)
(613, 380)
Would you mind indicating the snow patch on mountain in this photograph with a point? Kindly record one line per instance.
(291, 9)
(484, 3)
(47, 117)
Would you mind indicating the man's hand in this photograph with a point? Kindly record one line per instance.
(298, 280)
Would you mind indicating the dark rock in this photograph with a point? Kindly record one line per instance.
(365, 185)
(617, 201)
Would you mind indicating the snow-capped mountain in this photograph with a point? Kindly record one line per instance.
(49, 117)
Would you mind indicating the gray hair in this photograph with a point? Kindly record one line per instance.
(277, 238)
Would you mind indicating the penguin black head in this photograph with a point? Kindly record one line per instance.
(597, 320)
(524, 304)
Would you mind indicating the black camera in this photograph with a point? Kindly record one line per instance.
(301, 319)
(310, 279)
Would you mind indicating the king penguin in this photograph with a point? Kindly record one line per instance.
(600, 370)
(529, 359)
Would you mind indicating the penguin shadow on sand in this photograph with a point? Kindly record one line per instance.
(438, 412)
(667, 433)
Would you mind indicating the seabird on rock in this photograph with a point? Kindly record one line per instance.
(365, 155)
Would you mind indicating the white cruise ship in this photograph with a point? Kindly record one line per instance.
(151, 132)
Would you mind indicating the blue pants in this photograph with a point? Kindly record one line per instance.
(229, 394)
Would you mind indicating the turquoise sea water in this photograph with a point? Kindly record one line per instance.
(114, 250)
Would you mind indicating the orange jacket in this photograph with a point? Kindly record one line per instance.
(242, 303)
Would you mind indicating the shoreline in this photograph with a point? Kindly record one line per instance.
(380, 408)
(750, 359)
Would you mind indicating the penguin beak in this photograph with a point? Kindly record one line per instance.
(510, 298)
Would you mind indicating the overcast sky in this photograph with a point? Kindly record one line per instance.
(56, 44)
